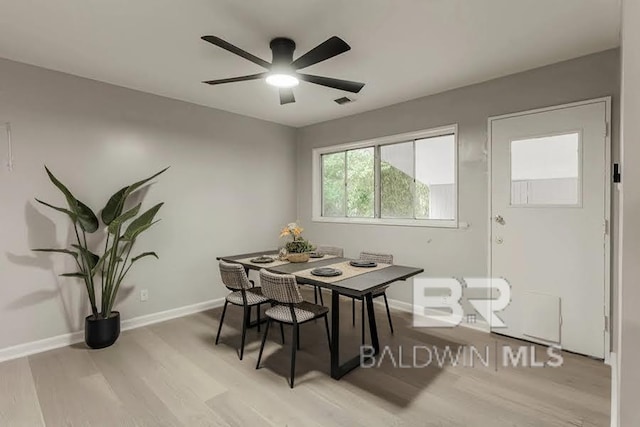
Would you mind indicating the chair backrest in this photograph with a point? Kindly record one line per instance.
(330, 250)
(234, 276)
(376, 257)
(280, 287)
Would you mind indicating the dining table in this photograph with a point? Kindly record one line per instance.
(359, 283)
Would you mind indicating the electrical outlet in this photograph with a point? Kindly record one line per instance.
(144, 295)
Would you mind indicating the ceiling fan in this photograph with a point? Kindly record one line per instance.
(282, 71)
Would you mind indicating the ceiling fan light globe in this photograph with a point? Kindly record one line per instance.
(282, 80)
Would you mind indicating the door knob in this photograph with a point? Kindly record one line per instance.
(499, 240)
(499, 219)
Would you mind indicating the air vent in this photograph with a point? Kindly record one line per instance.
(343, 100)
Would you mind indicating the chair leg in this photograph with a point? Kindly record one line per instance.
(282, 333)
(258, 316)
(245, 320)
(362, 321)
(353, 312)
(320, 292)
(294, 347)
(386, 303)
(264, 339)
(298, 337)
(224, 310)
(315, 297)
(326, 324)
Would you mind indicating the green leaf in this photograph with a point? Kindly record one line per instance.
(73, 216)
(73, 275)
(84, 215)
(142, 255)
(141, 223)
(133, 187)
(139, 232)
(96, 268)
(115, 205)
(87, 219)
(62, 251)
(113, 227)
(71, 200)
(91, 258)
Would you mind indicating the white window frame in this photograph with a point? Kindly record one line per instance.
(376, 142)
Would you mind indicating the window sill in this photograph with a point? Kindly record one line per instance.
(432, 223)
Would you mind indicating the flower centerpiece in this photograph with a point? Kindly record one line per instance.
(298, 248)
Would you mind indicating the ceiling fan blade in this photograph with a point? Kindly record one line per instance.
(236, 79)
(286, 96)
(234, 49)
(330, 48)
(346, 85)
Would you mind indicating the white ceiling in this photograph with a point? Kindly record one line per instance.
(401, 49)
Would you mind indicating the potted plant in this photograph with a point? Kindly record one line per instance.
(298, 248)
(102, 327)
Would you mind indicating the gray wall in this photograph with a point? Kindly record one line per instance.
(99, 137)
(225, 169)
(625, 410)
(450, 252)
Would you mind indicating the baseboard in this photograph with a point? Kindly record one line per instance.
(39, 346)
(64, 340)
(398, 305)
(480, 325)
(150, 319)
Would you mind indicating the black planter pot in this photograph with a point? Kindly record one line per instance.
(101, 333)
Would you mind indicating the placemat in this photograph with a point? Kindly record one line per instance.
(347, 269)
(277, 262)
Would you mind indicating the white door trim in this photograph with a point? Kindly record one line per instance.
(607, 203)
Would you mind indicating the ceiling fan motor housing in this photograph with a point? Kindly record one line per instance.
(282, 49)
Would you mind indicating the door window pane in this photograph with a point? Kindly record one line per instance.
(396, 180)
(546, 170)
(360, 183)
(435, 188)
(333, 188)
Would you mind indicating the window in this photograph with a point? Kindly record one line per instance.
(348, 183)
(407, 179)
(546, 171)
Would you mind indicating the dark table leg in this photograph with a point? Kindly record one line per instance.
(373, 329)
(335, 335)
(338, 370)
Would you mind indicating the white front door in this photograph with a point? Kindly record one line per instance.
(549, 211)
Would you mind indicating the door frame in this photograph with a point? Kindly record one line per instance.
(607, 230)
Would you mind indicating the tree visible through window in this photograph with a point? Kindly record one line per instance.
(348, 183)
(333, 188)
(406, 180)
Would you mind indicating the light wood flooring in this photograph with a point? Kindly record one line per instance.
(172, 374)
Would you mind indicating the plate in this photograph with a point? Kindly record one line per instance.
(364, 264)
(326, 272)
(262, 260)
(315, 255)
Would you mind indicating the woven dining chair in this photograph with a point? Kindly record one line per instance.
(289, 308)
(326, 250)
(381, 292)
(244, 294)
(330, 250)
